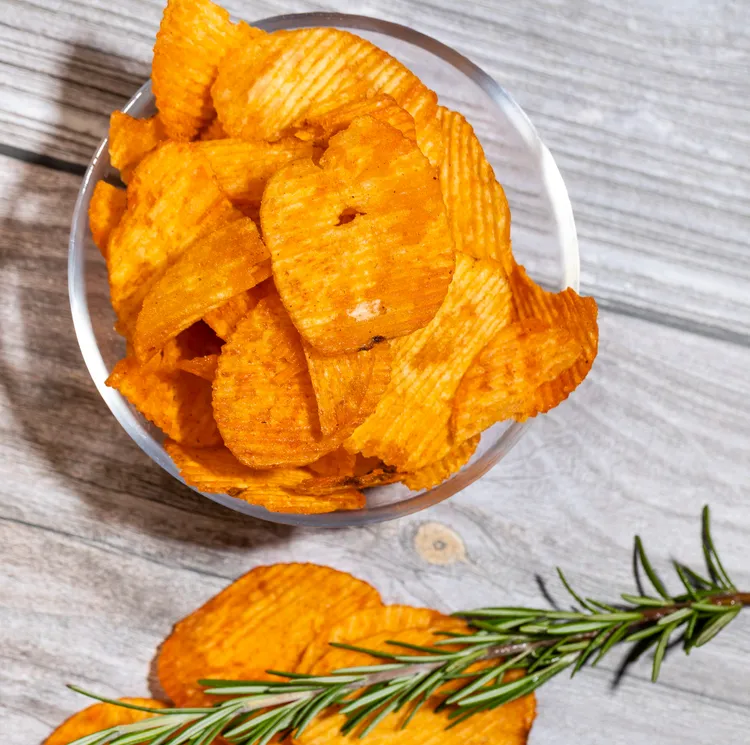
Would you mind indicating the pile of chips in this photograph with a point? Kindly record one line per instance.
(312, 268)
(283, 617)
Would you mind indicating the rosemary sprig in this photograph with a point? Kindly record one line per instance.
(544, 643)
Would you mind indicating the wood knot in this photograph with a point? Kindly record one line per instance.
(438, 544)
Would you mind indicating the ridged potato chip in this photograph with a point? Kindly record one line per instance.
(212, 131)
(264, 401)
(173, 199)
(339, 462)
(326, 485)
(193, 37)
(478, 211)
(106, 208)
(266, 619)
(568, 310)
(507, 373)
(130, 140)
(436, 473)
(349, 283)
(204, 367)
(224, 320)
(348, 386)
(197, 341)
(211, 271)
(243, 168)
(411, 425)
(305, 504)
(264, 87)
(100, 717)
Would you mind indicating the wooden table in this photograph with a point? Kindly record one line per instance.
(644, 105)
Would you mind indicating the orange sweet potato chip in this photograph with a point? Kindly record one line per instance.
(106, 208)
(100, 717)
(349, 283)
(204, 367)
(193, 37)
(130, 140)
(215, 268)
(410, 428)
(266, 619)
(505, 376)
(348, 386)
(568, 310)
(263, 397)
(173, 199)
(436, 473)
(258, 95)
(477, 209)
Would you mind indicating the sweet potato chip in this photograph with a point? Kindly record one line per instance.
(436, 473)
(193, 37)
(568, 310)
(106, 208)
(264, 87)
(339, 462)
(478, 211)
(224, 319)
(243, 168)
(175, 401)
(348, 284)
(263, 398)
(362, 625)
(130, 140)
(204, 367)
(100, 717)
(410, 427)
(507, 373)
(211, 271)
(341, 384)
(266, 619)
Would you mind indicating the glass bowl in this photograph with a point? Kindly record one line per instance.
(543, 232)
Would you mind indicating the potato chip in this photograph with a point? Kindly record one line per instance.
(339, 462)
(348, 284)
(130, 140)
(264, 87)
(566, 309)
(305, 504)
(212, 131)
(106, 208)
(436, 473)
(197, 341)
(224, 319)
(506, 374)
(175, 401)
(478, 211)
(100, 717)
(411, 425)
(380, 106)
(327, 485)
(211, 271)
(193, 37)
(263, 397)
(204, 367)
(266, 619)
(173, 199)
(341, 384)
(364, 624)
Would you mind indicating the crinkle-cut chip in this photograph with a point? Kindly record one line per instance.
(130, 140)
(360, 246)
(411, 425)
(436, 473)
(204, 367)
(197, 341)
(478, 211)
(224, 320)
(339, 462)
(106, 208)
(243, 168)
(265, 86)
(566, 309)
(175, 401)
(380, 106)
(364, 624)
(266, 619)
(326, 485)
(281, 500)
(264, 402)
(193, 37)
(341, 384)
(211, 271)
(213, 131)
(507, 373)
(173, 199)
(100, 717)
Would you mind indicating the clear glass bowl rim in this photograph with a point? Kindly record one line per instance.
(567, 239)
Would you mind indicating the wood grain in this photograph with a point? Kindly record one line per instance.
(642, 104)
(101, 552)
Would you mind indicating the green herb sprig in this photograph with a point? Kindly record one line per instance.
(542, 642)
